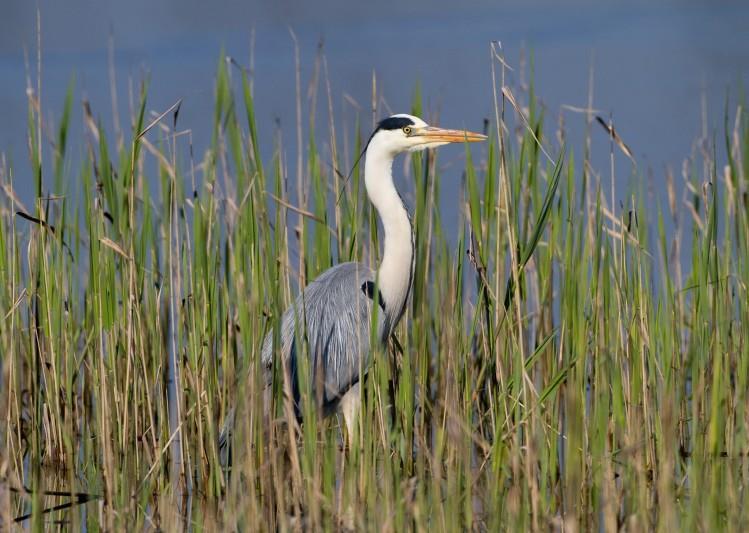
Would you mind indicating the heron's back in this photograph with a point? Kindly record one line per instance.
(336, 309)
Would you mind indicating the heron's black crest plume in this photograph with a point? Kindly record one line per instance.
(393, 123)
(389, 123)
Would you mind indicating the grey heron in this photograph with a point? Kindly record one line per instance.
(337, 307)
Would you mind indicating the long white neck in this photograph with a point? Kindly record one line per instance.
(395, 272)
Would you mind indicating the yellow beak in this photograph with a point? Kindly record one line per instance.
(430, 134)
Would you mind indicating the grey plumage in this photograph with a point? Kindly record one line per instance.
(337, 311)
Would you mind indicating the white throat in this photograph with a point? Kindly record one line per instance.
(395, 272)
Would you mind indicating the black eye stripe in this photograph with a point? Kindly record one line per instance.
(394, 123)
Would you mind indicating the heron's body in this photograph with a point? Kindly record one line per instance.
(337, 312)
(338, 307)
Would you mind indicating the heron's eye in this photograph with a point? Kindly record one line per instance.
(407, 130)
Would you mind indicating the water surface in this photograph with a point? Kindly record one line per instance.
(652, 65)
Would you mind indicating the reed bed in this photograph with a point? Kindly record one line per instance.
(566, 362)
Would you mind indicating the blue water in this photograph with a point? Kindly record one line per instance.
(651, 65)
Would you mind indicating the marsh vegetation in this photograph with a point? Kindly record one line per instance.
(574, 356)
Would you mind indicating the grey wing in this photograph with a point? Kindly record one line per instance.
(337, 311)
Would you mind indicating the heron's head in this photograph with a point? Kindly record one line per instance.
(407, 133)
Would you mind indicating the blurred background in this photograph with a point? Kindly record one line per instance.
(657, 70)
